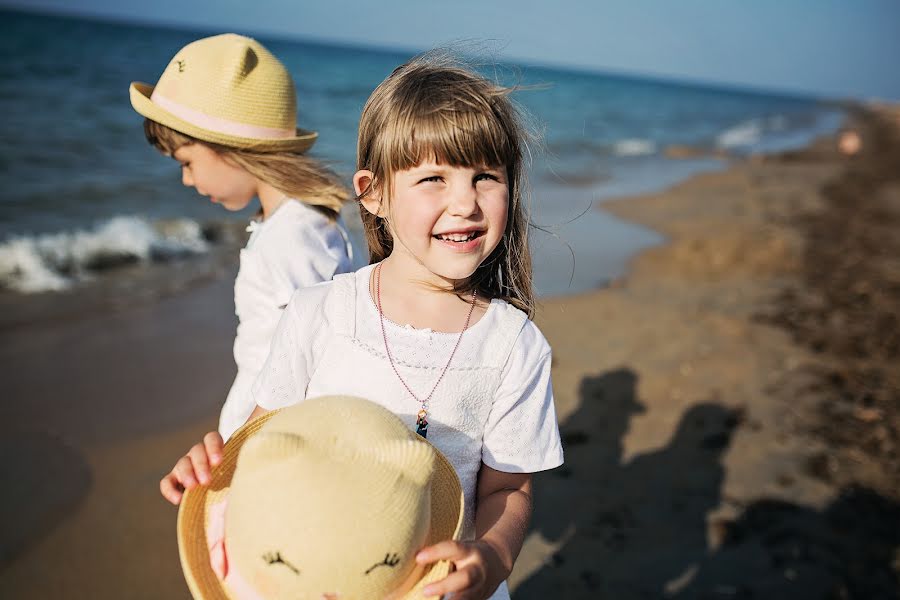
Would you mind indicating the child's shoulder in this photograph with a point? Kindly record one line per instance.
(325, 300)
(519, 320)
(528, 342)
(294, 224)
(531, 340)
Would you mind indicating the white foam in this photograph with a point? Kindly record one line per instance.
(746, 133)
(51, 262)
(634, 147)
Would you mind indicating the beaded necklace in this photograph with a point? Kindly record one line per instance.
(422, 416)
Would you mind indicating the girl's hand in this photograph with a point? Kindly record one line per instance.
(478, 569)
(193, 468)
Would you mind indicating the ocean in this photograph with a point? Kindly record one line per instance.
(85, 201)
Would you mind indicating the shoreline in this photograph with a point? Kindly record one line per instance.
(663, 384)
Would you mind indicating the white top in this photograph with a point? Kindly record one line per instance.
(297, 246)
(494, 405)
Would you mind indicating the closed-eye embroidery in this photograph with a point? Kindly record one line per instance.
(274, 558)
(390, 560)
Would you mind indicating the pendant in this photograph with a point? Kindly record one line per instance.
(422, 424)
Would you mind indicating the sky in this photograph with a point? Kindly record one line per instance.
(827, 48)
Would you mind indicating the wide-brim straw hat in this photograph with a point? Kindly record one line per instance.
(197, 504)
(226, 89)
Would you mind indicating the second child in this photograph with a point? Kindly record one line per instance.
(225, 108)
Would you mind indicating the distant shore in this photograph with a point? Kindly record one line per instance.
(687, 404)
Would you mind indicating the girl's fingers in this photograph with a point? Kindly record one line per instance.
(171, 489)
(193, 468)
(199, 465)
(454, 582)
(184, 472)
(214, 445)
(446, 550)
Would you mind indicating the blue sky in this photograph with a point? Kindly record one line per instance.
(834, 48)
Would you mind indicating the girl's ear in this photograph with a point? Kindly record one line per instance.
(363, 182)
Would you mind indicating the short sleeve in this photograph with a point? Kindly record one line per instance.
(301, 256)
(522, 433)
(284, 377)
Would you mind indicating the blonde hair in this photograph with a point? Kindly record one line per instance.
(434, 107)
(296, 175)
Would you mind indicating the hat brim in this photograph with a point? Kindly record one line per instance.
(446, 518)
(140, 99)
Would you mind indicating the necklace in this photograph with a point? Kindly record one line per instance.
(422, 416)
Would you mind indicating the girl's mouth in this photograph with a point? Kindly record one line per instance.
(458, 238)
(460, 241)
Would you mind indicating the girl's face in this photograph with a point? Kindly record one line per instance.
(446, 219)
(212, 175)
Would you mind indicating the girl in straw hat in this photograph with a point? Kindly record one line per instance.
(437, 329)
(226, 109)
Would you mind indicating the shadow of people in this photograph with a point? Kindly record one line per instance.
(626, 529)
(778, 549)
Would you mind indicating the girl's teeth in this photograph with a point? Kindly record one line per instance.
(457, 237)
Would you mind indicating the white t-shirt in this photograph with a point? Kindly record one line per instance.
(295, 247)
(494, 404)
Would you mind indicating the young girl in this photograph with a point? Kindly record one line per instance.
(437, 329)
(226, 110)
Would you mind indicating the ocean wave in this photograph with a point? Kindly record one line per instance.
(749, 133)
(53, 262)
(634, 147)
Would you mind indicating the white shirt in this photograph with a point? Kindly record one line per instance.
(295, 247)
(494, 404)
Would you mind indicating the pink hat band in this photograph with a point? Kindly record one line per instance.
(218, 124)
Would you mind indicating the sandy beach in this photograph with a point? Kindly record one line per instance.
(729, 410)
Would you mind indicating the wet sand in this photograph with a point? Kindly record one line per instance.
(698, 461)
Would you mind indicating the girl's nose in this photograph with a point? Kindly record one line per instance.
(186, 178)
(464, 202)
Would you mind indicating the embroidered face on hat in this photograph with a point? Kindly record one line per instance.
(333, 496)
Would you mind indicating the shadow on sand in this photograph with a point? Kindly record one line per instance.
(639, 529)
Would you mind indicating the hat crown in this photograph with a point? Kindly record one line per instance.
(231, 77)
(332, 497)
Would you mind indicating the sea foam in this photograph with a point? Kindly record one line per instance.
(52, 262)
(634, 147)
(750, 133)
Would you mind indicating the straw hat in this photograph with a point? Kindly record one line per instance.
(332, 495)
(226, 89)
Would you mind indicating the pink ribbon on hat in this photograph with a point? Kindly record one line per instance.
(218, 558)
(218, 124)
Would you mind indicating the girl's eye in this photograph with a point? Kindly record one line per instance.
(434, 178)
(486, 177)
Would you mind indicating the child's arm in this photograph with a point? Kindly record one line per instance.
(194, 468)
(501, 522)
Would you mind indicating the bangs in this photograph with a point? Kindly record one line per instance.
(462, 127)
(449, 137)
(165, 139)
